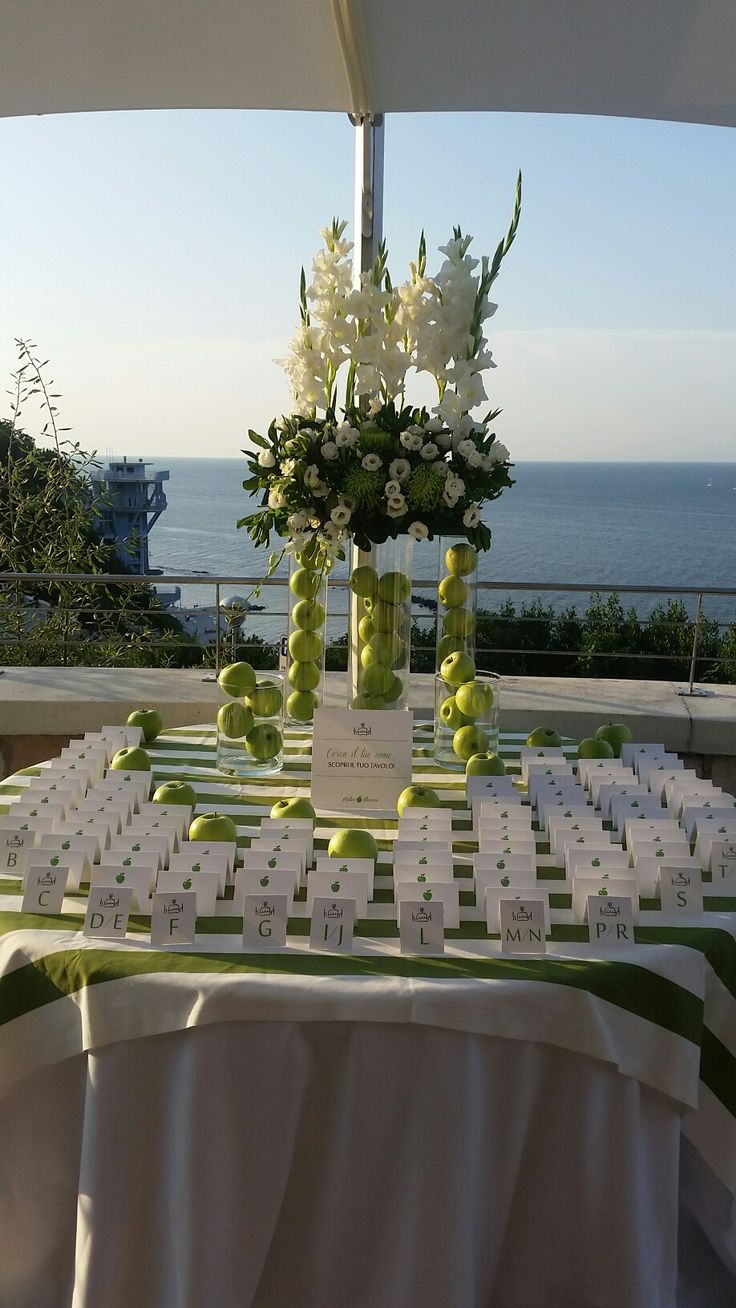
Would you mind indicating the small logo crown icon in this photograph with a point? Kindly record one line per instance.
(362, 730)
(174, 907)
(47, 880)
(421, 915)
(610, 910)
(334, 911)
(14, 843)
(265, 909)
(110, 901)
(521, 915)
(680, 880)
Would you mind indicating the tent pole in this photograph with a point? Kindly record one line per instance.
(368, 220)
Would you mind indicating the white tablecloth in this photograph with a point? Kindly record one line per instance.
(336, 1165)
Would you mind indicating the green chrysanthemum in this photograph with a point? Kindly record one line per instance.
(364, 488)
(424, 489)
(375, 441)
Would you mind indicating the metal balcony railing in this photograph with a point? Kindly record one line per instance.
(20, 604)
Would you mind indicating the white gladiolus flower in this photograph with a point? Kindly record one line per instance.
(371, 462)
(418, 531)
(399, 470)
(340, 515)
(266, 459)
(375, 404)
(471, 516)
(346, 436)
(276, 499)
(392, 488)
(429, 451)
(330, 450)
(498, 453)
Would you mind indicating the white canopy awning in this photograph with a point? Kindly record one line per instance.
(667, 59)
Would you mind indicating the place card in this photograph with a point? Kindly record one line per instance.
(130, 843)
(432, 873)
(39, 806)
(492, 849)
(704, 843)
(631, 750)
(139, 827)
(107, 913)
(15, 847)
(681, 889)
(263, 860)
(188, 861)
(360, 762)
(333, 923)
(140, 881)
(504, 810)
(653, 772)
(89, 826)
(656, 829)
(412, 850)
(35, 826)
(270, 847)
(553, 756)
(265, 919)
(684, 782)
(121, 802)
(699, 821)
(604, 795)
(342, 865)
(511, 863)
(180, 814)
(173, 919)
(99, 814)
(227, 849)
(491, 895)
(568, 833)
(522, 925)
(479, 788)
(722, 865)
(624, 807)
(421, 828)
(516, 880)
(151, 861)
(203, 884)
(422, 861)
(43, 889)
(112, 737)
(88, 845)
(445, 892)
(596, 843)
(604, 859)
(615, 885)
(664, 852)
(71, 769)
(76, 863)
(132, 735)
(301, 829)
(610, 921)
(557, 786)
(257, 883)
(647, 871)
(136, 783)
(60, 783)
(421, 927)
(546, 807)
(322, 884)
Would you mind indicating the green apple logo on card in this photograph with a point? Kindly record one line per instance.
(423, 862)
(197, 867)
(596, 862)
(344, 868)
(505, 881)
(422, 876)
(634, 803)
(580, 840)
(603, 890)
(187, 885)
(504, 814)
(335, 887)
(127, 862)
(120, 878)
(722, 831)
(567, 813)
(427, 894)
(576, 826)
(500, 864)
(67, 844)
(272, 862)
(659, 853)
(265, 881)
(55, 860)
(33, 812)
(507, 850)
(45, 799)
(136, 848)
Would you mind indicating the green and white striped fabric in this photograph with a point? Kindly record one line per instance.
(663, 1011)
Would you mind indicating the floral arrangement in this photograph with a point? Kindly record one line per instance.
(385, 467)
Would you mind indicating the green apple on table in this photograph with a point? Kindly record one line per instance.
(474, 698)
(265, 700)
(461, 560)
(544, 738)
(264, 742)
(364, 582)
(131, 759)
(468, 741)
(297, 807)
(303, 676)
(237, 679)
(149, 721)
(617, 734)
(234, 720)
(457, 668)
(176, 792)
(591, 748)
(352, 842)
(417, 797)
(212, 827)
(375, 680)
(485, 765)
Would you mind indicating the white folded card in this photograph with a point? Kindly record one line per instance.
(43, 889)
(141, 829)
(188, 861)
(108, 910)
(217, 848)
(524, 863)
(523, 925)
(262, 860)
(113, 818)
(39, 806)
(647, 871)
(657, 829)
(724, 831)
(128, 843)
(150, 860)
(415, 849)
(493, 895)
(542, 786)
(441, 814)
(625, 807)
(58, 781)
(421, 927)
(588, 768)
(136, 783)
(702, 822)
(417, 828)
(597, 860)
(277, 881)
(546, 807)
(529, 754)
(681, 889)
(323, 884)
(179, 813)
(89, 845)
(660, 852)
(604, 794)
(633, 749)
(139, 880)
(615, 885)
(76, 863)
(15, 847)
(568, 833)
(203, 884)
(121, 802)
(501, 810)
(424, 876)
(481, 788)
(343, 865)
(133, 735)
(654, 772)
(38, 826)
(113, 738)
(722, 864)
(264, 920)
(289, 829)
(491, 878)
(89, 826)
(440, 892)
(419, 861)
(610, 921)
(332, 925)
(684, 782)
(173, 919)
(521, 844)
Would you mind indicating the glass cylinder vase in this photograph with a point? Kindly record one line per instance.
(380, 625)
(307, 639)
(466, 718)
(457, 599)
(250, 730)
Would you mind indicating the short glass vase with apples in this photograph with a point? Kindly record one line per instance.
(457, 598)
(250, 730)
(380, 625)
(307, 638)
(466, 714)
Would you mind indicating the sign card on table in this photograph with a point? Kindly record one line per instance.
(360, 762)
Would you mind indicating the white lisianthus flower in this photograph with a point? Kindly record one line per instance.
(466, 448)
(456, 486)
(311, 476)
(411, 440)
(443, 439)
(399, 470)
(429, 451)
(441, 469)
(475, 459)
(266, 459)
(392, 488)
(330, 450)
(320, 490)
(371, 462)
(340, 515)
(396, 506)
(276, 499)
(288, 466)
(418, 530)
(498, 453)
(346, 436)
(297, 522)
(471, 516)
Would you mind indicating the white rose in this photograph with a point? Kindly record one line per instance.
(330, 450)
(449, 495)
(456, 486)
(418, 530)
(266, 459)
(399, 470)
(296, 522)
(392, 488)
(429, 451)
(340, 515)
(475, 459)
(498, 453)
(371, 462)
(276, 499)
(466, 448)
(471, 516)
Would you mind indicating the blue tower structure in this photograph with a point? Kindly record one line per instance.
(129, 499)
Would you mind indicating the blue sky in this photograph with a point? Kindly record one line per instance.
(154, 258)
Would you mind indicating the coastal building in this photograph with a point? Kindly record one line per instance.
(129, 500)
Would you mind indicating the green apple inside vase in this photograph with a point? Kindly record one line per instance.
(380, 625)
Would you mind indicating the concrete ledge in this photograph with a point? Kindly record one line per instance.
(54, 704)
